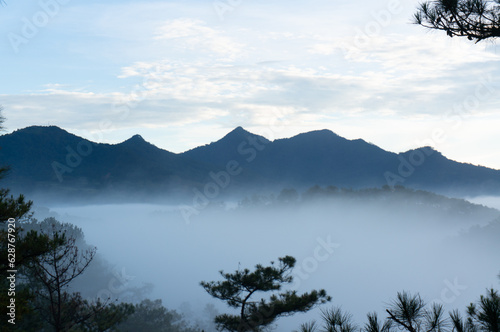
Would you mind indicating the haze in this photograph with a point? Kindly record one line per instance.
(362, 254)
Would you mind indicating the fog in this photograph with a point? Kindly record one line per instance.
(361, 253)
(491, 201)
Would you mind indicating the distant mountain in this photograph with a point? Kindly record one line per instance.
(324, 158)
(227, 148)
(51, 161)
(318, 157)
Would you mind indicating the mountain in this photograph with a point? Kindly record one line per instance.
(227, 148)
(238, 146)
(318, 157)
(51, 161)
(324, 158)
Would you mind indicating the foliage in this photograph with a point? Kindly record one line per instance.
(308, 327)
(482, 316)
(17, 208)
(337, 321)
(238, 288)
(51, 273)
(105, 317)
(373, 324)
(13, 207)
(152, 316)
(26, 248)
(47, 260)
(43, 296)
(409, 312)
(475, 19)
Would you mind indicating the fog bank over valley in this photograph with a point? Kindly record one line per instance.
(194, 166)
(361, 247)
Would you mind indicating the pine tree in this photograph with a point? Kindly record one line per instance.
(239, 287)
(475, 19)
(409, 312)
(481, 316)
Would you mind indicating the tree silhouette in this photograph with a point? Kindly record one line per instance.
(26, 248)
(308, 327)
(337, 321)
(10, 206)
(153, 316)
(334, 320)
(409, 312)
(106, 317)
(483, 316)
(373, 324)
(50, 275)
(238, 288)
(475, 19)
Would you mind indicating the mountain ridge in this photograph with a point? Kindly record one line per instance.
(49, 158)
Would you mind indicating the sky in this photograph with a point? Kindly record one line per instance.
(185, 73)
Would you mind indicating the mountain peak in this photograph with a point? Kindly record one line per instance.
(137, 137)
(325, 132)
(238, 131)
(41, 129)
(135, 140)
(226, 148)
(318, 135)
(427, 150)
(240, 134)
(319, 157)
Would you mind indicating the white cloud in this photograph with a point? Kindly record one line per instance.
(194, 35)
(175, 65)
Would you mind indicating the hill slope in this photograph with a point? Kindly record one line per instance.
(324, 158)
(52, 161)
(49, 159)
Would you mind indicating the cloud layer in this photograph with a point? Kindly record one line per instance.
(168, 69)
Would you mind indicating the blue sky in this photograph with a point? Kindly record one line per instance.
(184, 73)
